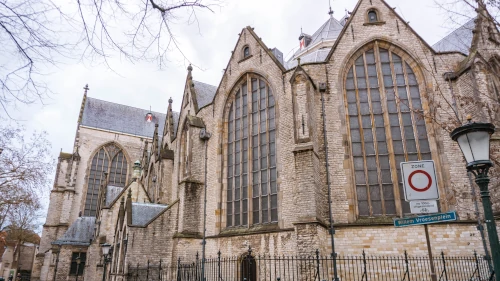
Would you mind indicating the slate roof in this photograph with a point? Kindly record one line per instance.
(329, 31)
(79, 233)
(315, 56)
(142, 213)
(175, 117)
(459, 40)
(120, 118)
(205, 93)
(112, 192)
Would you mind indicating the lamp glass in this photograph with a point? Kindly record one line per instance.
(105, 249)
(475, 146)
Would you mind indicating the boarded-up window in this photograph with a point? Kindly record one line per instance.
(385, 111)
(251, 156)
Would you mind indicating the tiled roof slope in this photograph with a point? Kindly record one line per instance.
(329, 31)
(120, 118)
(459, 40)
(112, 192)
(79, 233)
(142, 213)
(204, 93)
(315, 56)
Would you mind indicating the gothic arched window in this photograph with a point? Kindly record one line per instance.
(111, 160)
(386, 128)
(252, 192)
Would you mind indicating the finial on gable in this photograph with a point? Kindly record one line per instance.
(170, 100)
(190, 68)
(80, 116)
(330, 12)
(86, 88)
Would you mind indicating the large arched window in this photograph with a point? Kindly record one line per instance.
(111, 160)
(386, 128)
(251, 155)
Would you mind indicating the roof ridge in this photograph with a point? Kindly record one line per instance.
(124, 105)
(453, 32)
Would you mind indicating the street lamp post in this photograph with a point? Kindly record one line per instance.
(106, 258)
(474, 141)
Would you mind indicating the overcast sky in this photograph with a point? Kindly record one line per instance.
(207, 45)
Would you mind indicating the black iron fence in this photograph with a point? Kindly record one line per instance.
(250, 267)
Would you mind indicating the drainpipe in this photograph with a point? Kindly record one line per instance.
(322, 89)
(205, 136)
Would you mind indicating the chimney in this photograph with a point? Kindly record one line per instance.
(278, 54)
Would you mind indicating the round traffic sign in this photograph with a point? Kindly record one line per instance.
(429, 183)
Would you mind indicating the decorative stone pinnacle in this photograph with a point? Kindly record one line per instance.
(170, 100)
(190, 68)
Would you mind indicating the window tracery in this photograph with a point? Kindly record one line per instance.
(252, 191)
(386, 128)
(108, 160)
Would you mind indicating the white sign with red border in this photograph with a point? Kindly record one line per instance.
(419, 180)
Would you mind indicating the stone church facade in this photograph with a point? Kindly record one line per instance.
(366, 90)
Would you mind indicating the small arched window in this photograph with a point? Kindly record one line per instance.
(246, 52)
(372, 16)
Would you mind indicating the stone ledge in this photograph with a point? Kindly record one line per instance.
(374, 23)
(260, 229)
(244, 59)
(195, 235)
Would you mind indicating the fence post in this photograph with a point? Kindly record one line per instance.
(249, 258)
(477, 265)
(179, 269)
(218, 265)
(159, 271)
(196, 267)
(364, 267)
(317, 265)
(444, 268)
(407, 272)
(137, 272)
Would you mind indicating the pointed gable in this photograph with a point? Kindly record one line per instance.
(387, 17)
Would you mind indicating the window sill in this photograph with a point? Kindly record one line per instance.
(244, 59)
(255, 229)
(374, 23)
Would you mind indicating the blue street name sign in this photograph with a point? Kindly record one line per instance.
(434, 218)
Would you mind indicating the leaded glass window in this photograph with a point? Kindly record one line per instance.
(252, 192)
(109, 159)
(385, 114)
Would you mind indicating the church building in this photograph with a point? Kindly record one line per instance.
(276, 152)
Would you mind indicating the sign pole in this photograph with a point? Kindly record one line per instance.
(431, 261)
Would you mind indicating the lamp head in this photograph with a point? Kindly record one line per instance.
(474, 141)
(105, 249)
